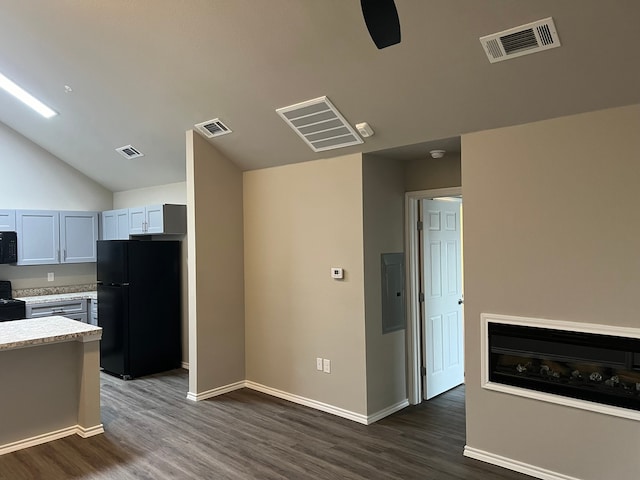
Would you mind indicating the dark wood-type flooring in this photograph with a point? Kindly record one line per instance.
(153, 432)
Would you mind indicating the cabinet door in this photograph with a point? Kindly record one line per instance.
(122, 224)
(154, 219)
(137, 220)
(115, 224)
(7, 220)
(109, 225)
(38, 237)
(78, 236)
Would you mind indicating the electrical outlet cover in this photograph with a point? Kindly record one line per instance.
(326, 365)
(318, 363)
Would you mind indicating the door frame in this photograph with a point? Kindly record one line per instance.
(412, 281)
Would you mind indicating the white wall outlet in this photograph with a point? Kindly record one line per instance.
(318, 363)
(51, 277)
(337, 273)
(326, 365)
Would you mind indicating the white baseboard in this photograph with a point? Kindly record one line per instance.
(308, 402)
(385, 412)
(514, 465)
(51, 436)
(323, 407)
(91, 431)
(214, 392)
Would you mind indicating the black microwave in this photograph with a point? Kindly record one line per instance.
(8, 247)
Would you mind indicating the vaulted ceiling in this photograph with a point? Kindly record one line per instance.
(143, 72)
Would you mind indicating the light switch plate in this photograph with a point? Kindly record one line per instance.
(318, 363)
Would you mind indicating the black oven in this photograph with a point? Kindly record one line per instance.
(8, 247)
(10, 308)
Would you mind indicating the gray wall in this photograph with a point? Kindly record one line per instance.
(383, 221)
(430, 173)
(301, 220)
(215, 265)
(551, 229)
(40, 394)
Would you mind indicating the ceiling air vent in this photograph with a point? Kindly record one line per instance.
(319, 124)
(129, 152)
(213, 128)
(523, 40)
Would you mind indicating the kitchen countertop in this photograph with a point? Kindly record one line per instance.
(58, 297)
(38, 331)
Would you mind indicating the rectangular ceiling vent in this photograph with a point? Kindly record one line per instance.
(523, 40)
(213, 128)
(319, 124)
(129, 152)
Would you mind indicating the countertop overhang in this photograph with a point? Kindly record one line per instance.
(45, 330)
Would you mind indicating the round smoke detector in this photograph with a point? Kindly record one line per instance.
(437, 153)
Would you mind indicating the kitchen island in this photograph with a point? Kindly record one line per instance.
(49, 381)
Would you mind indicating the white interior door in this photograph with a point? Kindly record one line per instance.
(442, 322)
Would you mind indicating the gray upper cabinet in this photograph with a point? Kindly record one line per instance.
(7, 220)
(115, 224)
(78, 236)
(38, 237)
(50, 237)
(158, 220)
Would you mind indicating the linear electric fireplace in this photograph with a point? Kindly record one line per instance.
(593, 367)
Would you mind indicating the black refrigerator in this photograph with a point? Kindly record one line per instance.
(139, 306)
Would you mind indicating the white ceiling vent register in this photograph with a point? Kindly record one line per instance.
(213, 128)
(523, 40)
(129, 152)
(319, 124)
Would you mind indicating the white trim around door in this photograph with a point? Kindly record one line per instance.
(412, 254)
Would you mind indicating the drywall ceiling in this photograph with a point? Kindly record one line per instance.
(143, 72)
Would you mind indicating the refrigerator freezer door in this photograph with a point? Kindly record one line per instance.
(113, 317)
(113, 261)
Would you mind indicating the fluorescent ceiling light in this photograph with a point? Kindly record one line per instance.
(25, 97)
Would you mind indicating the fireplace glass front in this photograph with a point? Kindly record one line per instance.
(597, 368)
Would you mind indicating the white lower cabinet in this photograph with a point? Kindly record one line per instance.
(74, 309)
(93, 312)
